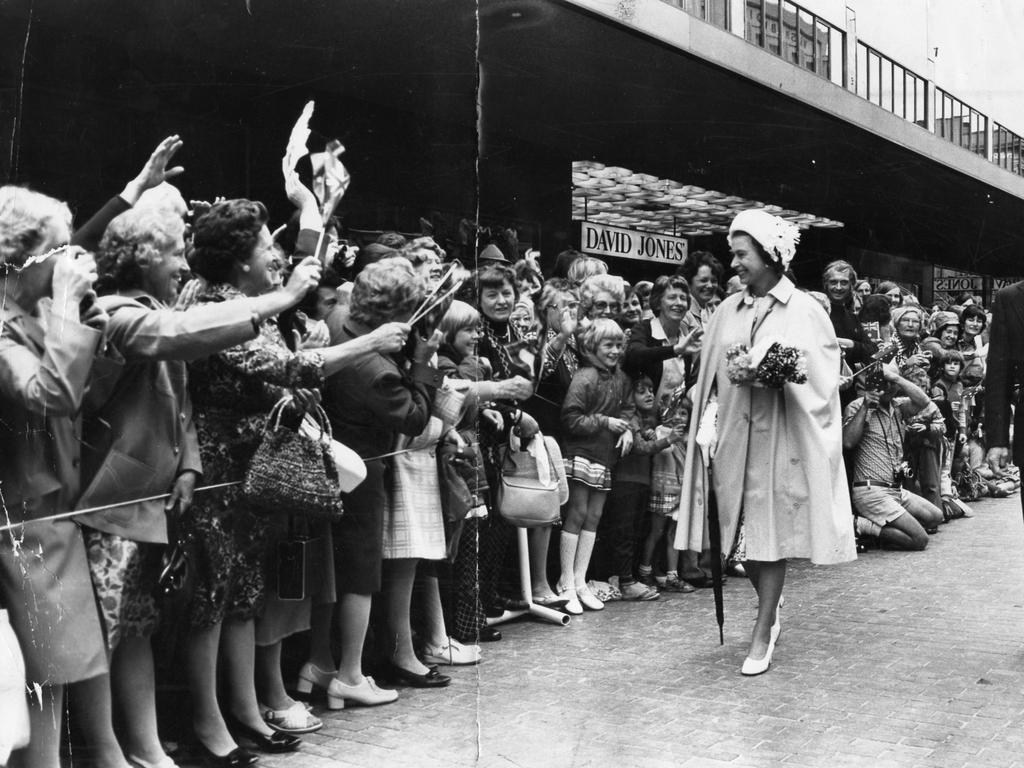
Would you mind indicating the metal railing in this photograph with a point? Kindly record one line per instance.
(797, 35)
(1007, 148)
(960, 123)
(806, 40)
(891, 86)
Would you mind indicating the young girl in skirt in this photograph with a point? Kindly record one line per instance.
(596, 414)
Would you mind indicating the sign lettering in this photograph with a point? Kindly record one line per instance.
(604, 240)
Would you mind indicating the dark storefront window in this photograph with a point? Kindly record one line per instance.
(797, 35)
(960, 123)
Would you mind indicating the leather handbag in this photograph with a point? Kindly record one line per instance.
(528, 497)
(291, 473)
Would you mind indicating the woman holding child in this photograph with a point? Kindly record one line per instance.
(776, 452)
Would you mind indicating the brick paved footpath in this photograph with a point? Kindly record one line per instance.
(898, 659)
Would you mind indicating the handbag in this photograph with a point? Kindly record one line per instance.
(291, 473)
(528, 497)
(176, 579)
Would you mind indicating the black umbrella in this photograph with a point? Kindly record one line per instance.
(715, 540)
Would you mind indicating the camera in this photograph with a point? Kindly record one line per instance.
(902, 472)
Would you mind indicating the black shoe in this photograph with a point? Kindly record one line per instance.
(432, 679)
(236, 758)
(489, 635)
(276, 743)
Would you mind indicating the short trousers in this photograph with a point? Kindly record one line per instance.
(883, 505)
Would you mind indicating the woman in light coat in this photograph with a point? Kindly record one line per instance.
(777, 468)
(52, 333)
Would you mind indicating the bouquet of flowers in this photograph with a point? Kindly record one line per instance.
(768, 364)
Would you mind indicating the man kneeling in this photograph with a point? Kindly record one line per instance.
(874, 426)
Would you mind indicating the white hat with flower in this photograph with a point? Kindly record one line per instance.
(776, 236)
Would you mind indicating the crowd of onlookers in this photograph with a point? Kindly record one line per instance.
(143, 353)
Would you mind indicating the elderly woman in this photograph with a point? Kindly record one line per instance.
(52, 330)
(778, 468)
(233, 392)
(601, 296)
(370, 405)
(907, 322)
(141, 262)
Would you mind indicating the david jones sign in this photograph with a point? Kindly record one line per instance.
(602, 240)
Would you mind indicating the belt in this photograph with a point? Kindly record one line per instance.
(874, 484)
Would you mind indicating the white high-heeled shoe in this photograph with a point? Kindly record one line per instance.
(311, 676)
(753, 667)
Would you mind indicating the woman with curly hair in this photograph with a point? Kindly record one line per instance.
(370, 404)
(233, 391)
(140, 264)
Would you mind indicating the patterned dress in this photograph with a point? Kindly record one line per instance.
(232, 392)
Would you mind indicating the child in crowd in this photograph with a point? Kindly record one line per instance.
(923, 443)
(596, 414)
(666, 481)
(631, 481)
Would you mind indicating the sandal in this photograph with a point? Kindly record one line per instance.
(296, 719)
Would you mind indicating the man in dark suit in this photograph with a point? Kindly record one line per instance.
(1005, 367)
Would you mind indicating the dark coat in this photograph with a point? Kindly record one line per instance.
(372, 400)
(645, 355)
(846, 326)
(1005, 369)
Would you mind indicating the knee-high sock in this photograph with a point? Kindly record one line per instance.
(583, 553)
(567, 546)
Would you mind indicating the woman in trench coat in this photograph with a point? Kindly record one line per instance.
(777, 467)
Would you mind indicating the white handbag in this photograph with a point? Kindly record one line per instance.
(351, 467)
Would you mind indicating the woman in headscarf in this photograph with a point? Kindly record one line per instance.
(777, 453)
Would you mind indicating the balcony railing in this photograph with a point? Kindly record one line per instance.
(1007, 148)
(891, 86)
(959, 123)
(808, 41)
(796, 35)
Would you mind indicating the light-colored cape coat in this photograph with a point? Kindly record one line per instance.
(804, 481)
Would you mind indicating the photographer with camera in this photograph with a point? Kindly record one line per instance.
(873, 428)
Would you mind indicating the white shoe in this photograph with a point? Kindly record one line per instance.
(452, 653)
(572, 605)
(588, 599)
(753, 667)
(311, 676)
(366, 693)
